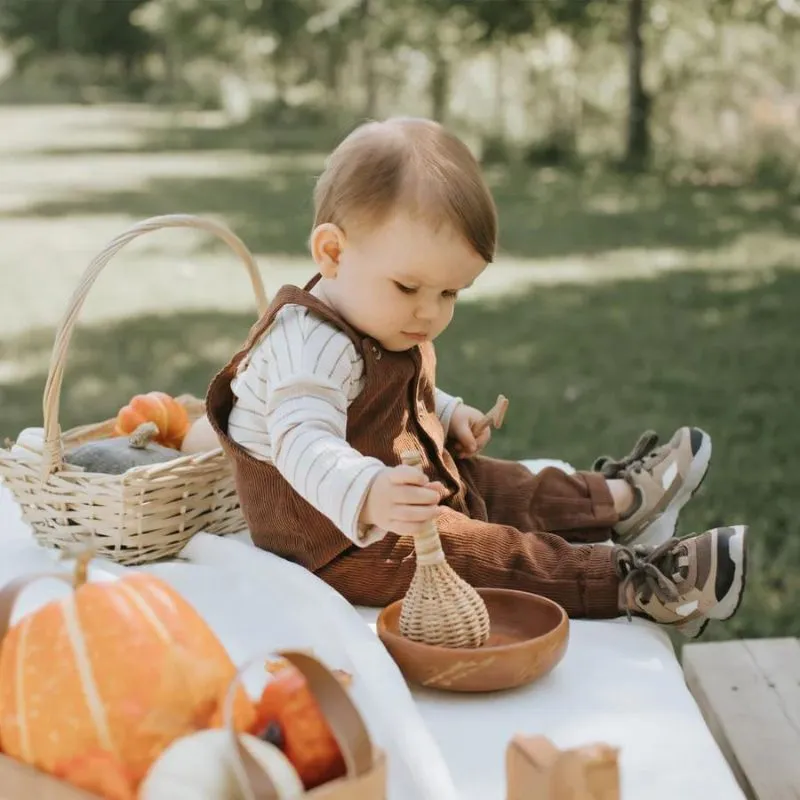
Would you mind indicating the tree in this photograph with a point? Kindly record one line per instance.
(637, 146)
(83, 27)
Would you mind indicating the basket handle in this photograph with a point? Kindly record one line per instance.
(343, 717)
(52, 392)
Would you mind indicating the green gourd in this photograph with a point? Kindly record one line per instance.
(120, 453)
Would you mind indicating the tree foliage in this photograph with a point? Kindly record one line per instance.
(571, 63)
(84, 27)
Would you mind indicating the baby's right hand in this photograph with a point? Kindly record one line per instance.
(401, 500)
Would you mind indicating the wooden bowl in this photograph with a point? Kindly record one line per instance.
(529, 636)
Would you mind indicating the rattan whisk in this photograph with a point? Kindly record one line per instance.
(440, 608)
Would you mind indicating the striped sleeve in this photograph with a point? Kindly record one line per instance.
(445, 406)
(299, 383)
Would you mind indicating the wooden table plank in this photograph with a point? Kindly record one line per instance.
(749, 694)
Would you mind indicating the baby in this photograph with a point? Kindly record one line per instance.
(339, 378)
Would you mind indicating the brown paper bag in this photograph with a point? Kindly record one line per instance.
(366, 766)
(536, 768)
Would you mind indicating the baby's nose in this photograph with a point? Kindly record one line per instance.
(427, 309)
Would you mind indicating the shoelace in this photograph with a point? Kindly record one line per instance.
(646, 569)
(633, 462)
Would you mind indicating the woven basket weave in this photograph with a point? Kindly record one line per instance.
(148, 512)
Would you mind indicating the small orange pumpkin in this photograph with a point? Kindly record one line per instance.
(306, 737)
(124, 666)
(159, 407)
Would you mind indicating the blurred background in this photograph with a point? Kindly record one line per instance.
(644, 155)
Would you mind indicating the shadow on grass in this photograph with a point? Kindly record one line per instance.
(544, 212)
(271, 212)
(268, 136)
(586, 370)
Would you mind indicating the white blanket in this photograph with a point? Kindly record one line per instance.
(619, 683)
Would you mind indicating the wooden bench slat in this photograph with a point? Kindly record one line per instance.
(749, 694)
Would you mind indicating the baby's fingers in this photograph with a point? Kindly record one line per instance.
(412, 520)
(413, 513)
(415, 495)
(483, 438)
(403, 475)
(407, 528)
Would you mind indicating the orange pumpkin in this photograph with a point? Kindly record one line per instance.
(99, 773)
(306, 737)
(124, 666)
(159, 407)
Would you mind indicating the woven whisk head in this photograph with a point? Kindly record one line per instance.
(440, 608)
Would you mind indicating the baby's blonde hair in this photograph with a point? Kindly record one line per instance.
(411, 164)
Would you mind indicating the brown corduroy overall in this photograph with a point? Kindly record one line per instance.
(493, 512)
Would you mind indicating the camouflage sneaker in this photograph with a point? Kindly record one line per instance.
(663, 480)
(684, 583)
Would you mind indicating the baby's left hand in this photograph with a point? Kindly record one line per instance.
(466, 444)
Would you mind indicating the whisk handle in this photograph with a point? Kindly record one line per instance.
(427, 544)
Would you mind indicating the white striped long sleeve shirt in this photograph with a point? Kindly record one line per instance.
(291, 397)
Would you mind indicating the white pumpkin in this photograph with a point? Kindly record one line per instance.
(200, 438)
(201, 767)
(29, 445)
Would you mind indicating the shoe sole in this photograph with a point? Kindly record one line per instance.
(663, 527)
(728, 605)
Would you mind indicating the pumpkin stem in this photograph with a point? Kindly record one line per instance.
(82, 559)
(82, 569)
(143, 435)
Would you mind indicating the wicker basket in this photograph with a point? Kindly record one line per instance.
(148, 512)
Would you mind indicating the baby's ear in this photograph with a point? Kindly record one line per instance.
(327, 242)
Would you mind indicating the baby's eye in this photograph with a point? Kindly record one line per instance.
(450, 293)
(405, 289)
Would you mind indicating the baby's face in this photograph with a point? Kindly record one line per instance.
(398, 282)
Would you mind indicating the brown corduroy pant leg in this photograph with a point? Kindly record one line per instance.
(502, 544)
(578, 507)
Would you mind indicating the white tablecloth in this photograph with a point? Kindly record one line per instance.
(619, 682)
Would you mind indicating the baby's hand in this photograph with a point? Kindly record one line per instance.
(401, 500)
(462, 422)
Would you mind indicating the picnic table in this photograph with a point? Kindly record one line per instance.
(620, 683)
(749, 694)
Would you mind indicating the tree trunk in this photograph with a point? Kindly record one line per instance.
(498, 125)
(368, 50)
(637, 150)
(173, 58)
(68, 27)
(333, 74)
(440, 87)
(279, 70)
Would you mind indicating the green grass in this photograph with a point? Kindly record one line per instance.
(619, 304)
(588, 368)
